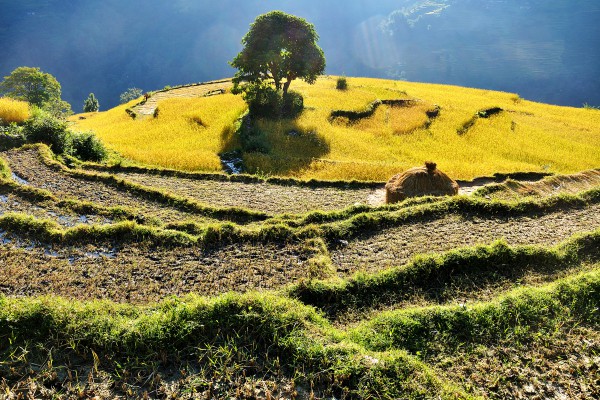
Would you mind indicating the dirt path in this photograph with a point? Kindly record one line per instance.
(396, 246)
(28, 167)
(199, 90)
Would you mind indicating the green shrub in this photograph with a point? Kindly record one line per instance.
(342, 83)
(47, 129)
(292, 104)
(264, 101)
(91, 104)
(130, 94)
(87, 147)
(11, 136)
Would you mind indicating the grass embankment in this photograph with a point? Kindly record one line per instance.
(331, 227)
(522, 136)
(160, 196)
(511, 189)
(430, 276)
(237, 337)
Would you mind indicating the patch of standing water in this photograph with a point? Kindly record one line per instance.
(19, 180)
(112, 253)
(3, 238)
(3, 198)
(232, 163)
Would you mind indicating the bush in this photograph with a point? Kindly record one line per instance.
(47, 129)
(293, 104)
(87, 147)
(130, 94)
(11, 136)
(91, 104)
(264, 101)
(342, 83)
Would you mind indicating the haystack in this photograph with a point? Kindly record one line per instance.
(419, 181)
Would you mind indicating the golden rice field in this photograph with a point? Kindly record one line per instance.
(525, 136)
(13, 110)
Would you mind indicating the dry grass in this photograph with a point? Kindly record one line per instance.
(13, 111)
(526, 136)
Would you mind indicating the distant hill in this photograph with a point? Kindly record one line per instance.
(545, 51)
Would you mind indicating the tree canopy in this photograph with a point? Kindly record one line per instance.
(36, 87)
(279, 47)
(130, 94)
(91, 104)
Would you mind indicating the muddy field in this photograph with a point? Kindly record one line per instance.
(140, 272)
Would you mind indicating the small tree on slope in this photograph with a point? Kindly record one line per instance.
(91, 104)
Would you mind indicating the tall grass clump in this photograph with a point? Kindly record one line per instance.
(4, 169)
(13, 111)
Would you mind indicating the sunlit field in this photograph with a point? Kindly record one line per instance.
(524, 136)
(13, 110)
(185, 135)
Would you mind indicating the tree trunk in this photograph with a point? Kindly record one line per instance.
(286, 86)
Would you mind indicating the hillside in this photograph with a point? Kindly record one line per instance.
(130, 282)
(157, 275)
(335, 138)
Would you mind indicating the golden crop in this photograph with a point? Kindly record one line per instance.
(13, 110)
(525, 136)
(185, 135)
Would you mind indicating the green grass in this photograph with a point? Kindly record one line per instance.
(433, 274)
(296, 338)
(261, 329)
(518, 315)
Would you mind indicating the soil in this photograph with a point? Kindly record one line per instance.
(11, 202)
(27, 165)
(561, 365)
(273, 199)
(140, 274)
(375, 251)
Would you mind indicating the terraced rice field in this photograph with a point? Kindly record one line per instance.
(190, 91)
(147, 284)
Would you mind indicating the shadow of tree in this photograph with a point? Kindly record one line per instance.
(273, 147)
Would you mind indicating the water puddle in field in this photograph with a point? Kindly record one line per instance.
(112, 253)
(3, 198)
(3, 238)
(70, 255)
(19, 180)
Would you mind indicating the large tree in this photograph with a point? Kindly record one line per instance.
(279, 47)
(36, 87)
